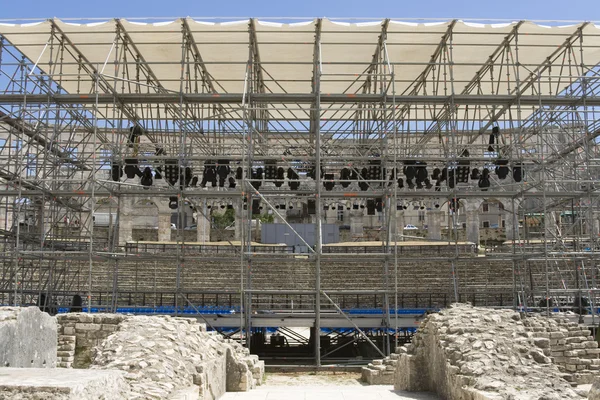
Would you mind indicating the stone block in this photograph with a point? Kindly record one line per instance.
(83, 327)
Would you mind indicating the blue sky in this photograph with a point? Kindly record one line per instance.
(480, 9)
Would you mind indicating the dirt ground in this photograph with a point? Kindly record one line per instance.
(322, 378)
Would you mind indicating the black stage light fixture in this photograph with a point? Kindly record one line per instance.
(362, 183)
(171, 171)
(232, 183)
(223, 170)
(400, 183)
(255, 206)
(293, 177)
(131, 168)
(484, 180)
(370, 207)
(353, 174)
(475, 174)
(355, 206)
(463, 168)
(209, 174)
(410, 183)
(379, 204)
(239, 173)
(451, 181)
(257, 176)
(436, 174)
(312, 207)
(146, 179)
(374, 172)
(518, 173)
(173, 203)
(186, 177)
(158, 173)
(270, 170)
(116, 172)
(134, 134)
(502, 168)
(328, 182)
(194, 182)
(493, 138)
(345, 176)
(280, 177)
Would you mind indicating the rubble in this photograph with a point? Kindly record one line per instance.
(466, 352)
(162, 355)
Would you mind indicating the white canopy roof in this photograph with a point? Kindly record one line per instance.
(286, 52)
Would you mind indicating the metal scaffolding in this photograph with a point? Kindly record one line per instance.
(116, 116)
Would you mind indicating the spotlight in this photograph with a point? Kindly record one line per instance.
(502, 168)
(362, 183)
(270, 170)
(171, 172)
(194, 182)
(231, 183)
(280, 177)
(209, 174)
(518, 173)
(146, 179)
(484, 180)
(257, 177)
(131, 168)
(116, 172)
(400, 183)
(222, 171)
(293, 177)
(239, 172)
(374, 172)
(134, 135)
(186, 177)
(493, 138)
(173, 204)
(328, 182)
(474, 174)
(345, 176)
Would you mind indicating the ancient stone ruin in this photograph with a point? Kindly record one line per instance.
(119, 356)
(466, 352)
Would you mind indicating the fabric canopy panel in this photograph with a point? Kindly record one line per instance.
(150, 60)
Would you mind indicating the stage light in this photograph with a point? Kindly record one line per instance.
(484, 181)
(474, 174)
(173, 203)
(502, 168)
(355, 206)
(146, 179)
(131, 168)
(400, 183)
(436, 174)
(222, 171)
(328, 182)
(186, 177)
(493, 138)
(345, 176)
(280, 177)
(171, 171)
(194, 182)
(209, 174)
(518, 173)
(134, 135)
(239, 173)
(362, 183)
(293, 177)
(232, 183)
(270, 170)
(256, 176)
(116, 172)
(374, 172)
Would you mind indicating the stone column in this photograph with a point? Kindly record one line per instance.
(473, 226)
(239, 218)
(434, 225)
(125, 228)
(356, 223)
(511, 219)
(164, 227)
(203, 226)
(397, 224)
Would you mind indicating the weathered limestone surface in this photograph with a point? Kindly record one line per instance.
(163, 356)
(79, 333)
(27, 338)
(594, 393)
(475, 353)
(60, 384)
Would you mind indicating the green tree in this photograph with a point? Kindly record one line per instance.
(222, 221)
